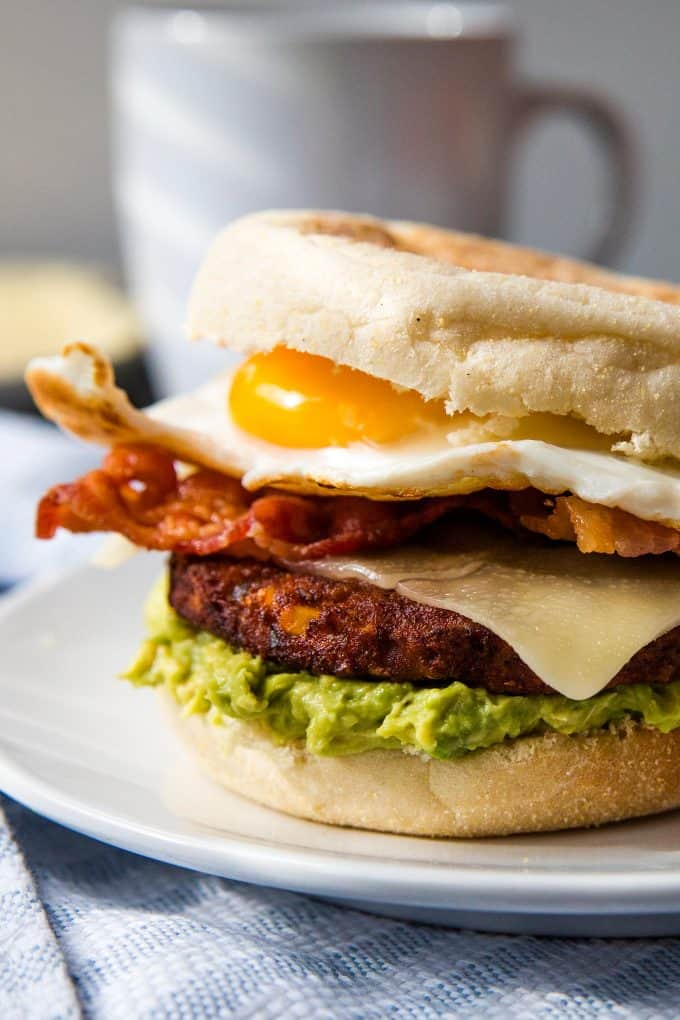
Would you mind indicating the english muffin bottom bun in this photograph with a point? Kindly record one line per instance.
(422, 540)
(536, 784)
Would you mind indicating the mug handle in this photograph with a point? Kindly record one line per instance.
(612, 133)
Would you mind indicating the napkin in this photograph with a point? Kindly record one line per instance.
(34, 456)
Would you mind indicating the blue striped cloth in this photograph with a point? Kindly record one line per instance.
(93, 931)
(87, 930)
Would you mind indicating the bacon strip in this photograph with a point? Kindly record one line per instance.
(138, 494)
(600, 529)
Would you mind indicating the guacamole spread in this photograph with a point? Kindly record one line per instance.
(332, 716)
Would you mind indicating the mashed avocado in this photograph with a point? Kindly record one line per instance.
(333, 716)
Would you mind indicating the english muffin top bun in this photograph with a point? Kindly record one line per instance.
(486, 326)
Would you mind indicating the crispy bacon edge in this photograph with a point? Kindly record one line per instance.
(137, 493)
(602, 529)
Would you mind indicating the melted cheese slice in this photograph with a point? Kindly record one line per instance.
(574, 619)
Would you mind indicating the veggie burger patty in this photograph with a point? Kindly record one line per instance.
(351, 629)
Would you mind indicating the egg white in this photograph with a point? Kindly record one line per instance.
(77, 390)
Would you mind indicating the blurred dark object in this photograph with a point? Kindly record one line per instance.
(48, 304)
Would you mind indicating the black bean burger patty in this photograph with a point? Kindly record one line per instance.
(353, 629)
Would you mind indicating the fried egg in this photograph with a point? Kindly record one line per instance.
(303, 423)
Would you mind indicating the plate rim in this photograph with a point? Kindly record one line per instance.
(309, 870)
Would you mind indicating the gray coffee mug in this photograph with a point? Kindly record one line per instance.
(406, 110)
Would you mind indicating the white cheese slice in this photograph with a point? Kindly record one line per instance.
(574, 619)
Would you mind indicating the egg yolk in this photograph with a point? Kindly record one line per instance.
(302, 400)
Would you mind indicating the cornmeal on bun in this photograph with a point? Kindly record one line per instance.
(423, 540)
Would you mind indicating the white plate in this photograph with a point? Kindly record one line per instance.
(91, 752)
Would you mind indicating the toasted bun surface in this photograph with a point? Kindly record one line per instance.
(487, 326)
(533, 784)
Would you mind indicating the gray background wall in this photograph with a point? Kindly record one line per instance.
(54, 184)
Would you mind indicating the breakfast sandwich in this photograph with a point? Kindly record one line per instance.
(422, 540)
